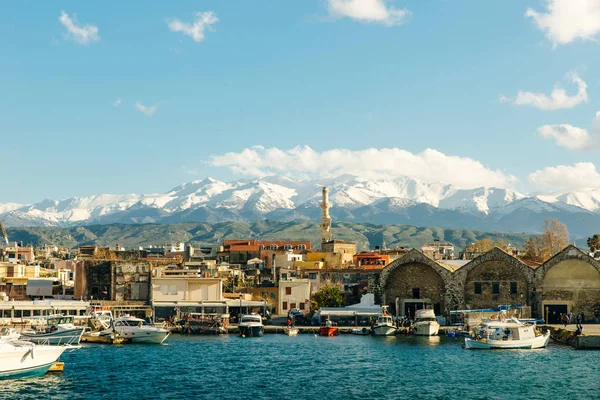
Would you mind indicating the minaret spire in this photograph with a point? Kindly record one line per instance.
(325, 218)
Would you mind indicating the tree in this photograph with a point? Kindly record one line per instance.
(541, 247)
(594, 242)
(555, 237)
(328, 296)
(486, 244)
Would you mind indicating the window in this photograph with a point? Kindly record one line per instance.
(288, 290)
(172, 289)
(513, 288)
(293, 305)
(302, 306)
(416, 293)
(164, 289)
(273, 295)
(495, 287)
(273, 247)
(312, 275)
(477, 288)
(284, 306)
(301, 247)
(264, 295)
(287, 246)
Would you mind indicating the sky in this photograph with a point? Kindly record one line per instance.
(141, 96)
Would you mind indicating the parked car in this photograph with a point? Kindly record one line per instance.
(297, 317)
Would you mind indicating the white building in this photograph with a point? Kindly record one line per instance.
(294, 293)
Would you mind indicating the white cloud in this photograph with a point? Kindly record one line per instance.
(573, 137)
(566, 135)
(568, 20)
(148, 110)
(558, 98)
(569, 177)
(82, 34)
(302, 162)
(202, 22)
(117, 102)
(374, 11)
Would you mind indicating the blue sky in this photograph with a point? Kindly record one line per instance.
(338, 76)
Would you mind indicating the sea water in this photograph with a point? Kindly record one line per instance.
(309, 367)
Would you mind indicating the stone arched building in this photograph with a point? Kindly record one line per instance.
(412, 280)
(495, 278)
(568, 282)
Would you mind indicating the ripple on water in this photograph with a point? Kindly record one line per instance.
(278, 366)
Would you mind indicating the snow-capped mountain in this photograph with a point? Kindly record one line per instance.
(392, 201)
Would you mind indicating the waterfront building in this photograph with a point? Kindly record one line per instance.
(294, 293)
(13, 310)
(568, 282)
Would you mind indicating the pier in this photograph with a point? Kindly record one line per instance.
(588, 340)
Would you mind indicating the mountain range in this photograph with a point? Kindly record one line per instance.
(402, 200)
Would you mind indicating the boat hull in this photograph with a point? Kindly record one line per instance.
(203, 328)
(252, 331)
(27, 361)
(71, 336)
(329, 331)
(291, 331)
(384, 330)
(426, 329)
(150, 337)
(536, 343)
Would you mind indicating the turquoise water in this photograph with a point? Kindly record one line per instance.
(308, 367)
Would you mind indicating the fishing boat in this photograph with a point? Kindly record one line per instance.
(425, 323)
(251, 325)
(384, 325)
(135, 330)
(58, 329)
(507, 334)
(327, 329)
(21, 359)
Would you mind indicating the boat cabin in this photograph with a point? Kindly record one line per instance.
(251, 318)
(135, 322)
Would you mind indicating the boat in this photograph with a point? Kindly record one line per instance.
(291, 331)
(59, 329)
(208, 324)
(507, 334)
(425, 323)
(251, 325)
(327, 329)
(22, 359)
(7, 333)
(134, 330)
(384, 325)
(361, 331)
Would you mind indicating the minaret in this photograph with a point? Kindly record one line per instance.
(325, 218)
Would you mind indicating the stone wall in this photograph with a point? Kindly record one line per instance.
(407, 277)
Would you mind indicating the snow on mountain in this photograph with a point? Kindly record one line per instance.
(279, 197)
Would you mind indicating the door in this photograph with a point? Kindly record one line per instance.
(552, 312)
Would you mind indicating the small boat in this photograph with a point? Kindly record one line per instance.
(384, 325)
(361, 331)
(507, 334)
(425, 323)
(59, 329)
(327, 329)
(290, 331)
(21, 359)
(251, 325)
(135, 330)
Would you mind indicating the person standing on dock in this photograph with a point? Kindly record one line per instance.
(565, 319)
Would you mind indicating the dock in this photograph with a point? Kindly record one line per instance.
(589, 340)
(57, 366)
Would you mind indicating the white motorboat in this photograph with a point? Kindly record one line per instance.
(59, 329)
(20, 359)
(251, 326)
(385, 325)
(507, 334)
(425, 323)
(290, 331)
(135, 330)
